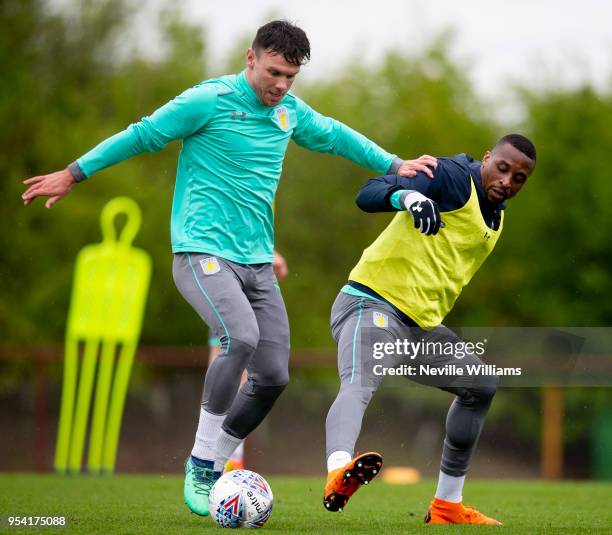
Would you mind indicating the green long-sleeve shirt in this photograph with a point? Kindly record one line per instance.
(231, 161)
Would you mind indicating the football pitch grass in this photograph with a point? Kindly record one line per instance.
(153, 504)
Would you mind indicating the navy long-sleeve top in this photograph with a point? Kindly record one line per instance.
(450, 188)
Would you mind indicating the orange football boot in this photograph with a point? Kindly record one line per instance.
(234, 464)
(443, 512)
(343, 482)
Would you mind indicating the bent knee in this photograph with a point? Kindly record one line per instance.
(485, 390)
(239, 350)
(359, 393)
(247, 335)
(271, 364)
(277, 376)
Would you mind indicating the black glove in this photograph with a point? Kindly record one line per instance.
(424, 211)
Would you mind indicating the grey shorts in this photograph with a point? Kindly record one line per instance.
(373, 343)
(243, 306)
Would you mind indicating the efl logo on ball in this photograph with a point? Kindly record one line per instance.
(241, 499)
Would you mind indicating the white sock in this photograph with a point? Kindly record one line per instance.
(226, 444)
(238, 452)
(338, 459)
(450, 488)
(207, 434)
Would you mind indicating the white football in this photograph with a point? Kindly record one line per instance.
(240, 499)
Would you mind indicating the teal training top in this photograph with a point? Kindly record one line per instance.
(231, 161)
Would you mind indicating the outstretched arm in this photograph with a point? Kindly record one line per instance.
(177, 119)
(423, 164)
(319, 133)
(55, 186)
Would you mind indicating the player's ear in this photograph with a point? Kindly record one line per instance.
(250, 58)
(486, 157)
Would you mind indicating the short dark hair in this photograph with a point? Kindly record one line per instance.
(521, 143)
(285, 38)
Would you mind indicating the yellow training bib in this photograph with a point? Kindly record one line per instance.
(423, 275)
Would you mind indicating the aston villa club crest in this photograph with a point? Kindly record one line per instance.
(282, 117)
(380, 320)
(210, 265)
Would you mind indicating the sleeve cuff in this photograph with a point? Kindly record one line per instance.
(395, 165)
(76, 172)
(398, 198)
